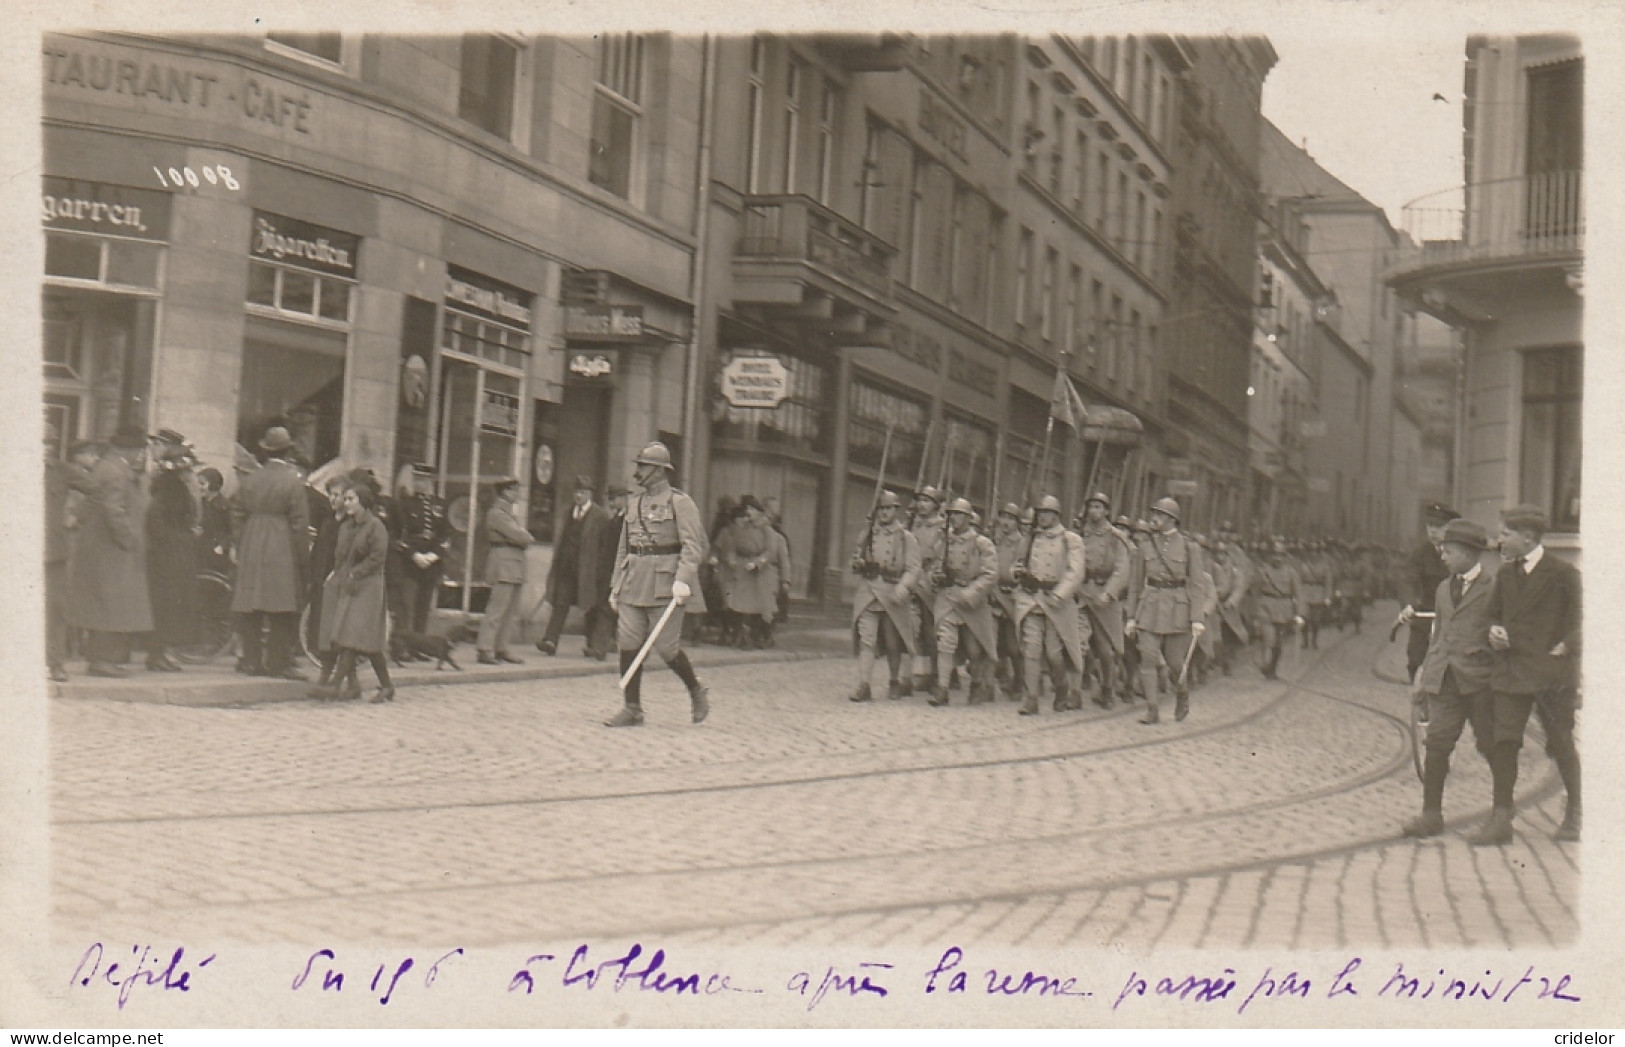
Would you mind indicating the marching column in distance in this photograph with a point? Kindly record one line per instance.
(1453, 686)
(1009, 542)
(967, 573)
(1049, 574)
(1316, 580)
(1280, 603)
(1172, 602)
(886, 562)
(929, 527)
(658, 561)
(1106, 554)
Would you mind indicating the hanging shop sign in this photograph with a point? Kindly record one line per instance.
(278, 238)
(499, 413)
(473, 293)
(96, 207)
(603, 321)
(755, 381)
(591, 365)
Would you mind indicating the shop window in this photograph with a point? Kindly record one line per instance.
(873, 411)
(329, 47)
(1549, 474)
(617, 104)
(485, 97)
(293, 376)
(105, 260)
(495, 342)
(299, 292)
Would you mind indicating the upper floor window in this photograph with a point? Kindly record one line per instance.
(826, 141)
(617, 106)
(792, 123)
(485, 96)
(329, 47)
(756, 89)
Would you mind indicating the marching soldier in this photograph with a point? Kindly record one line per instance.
(1009, 543)
(966, 575)
(1168, 612)
(422, 539)
(1318, 582)
(929, 528)
(1049, 574)
(1280, 603)
(1232, 580)
(887, 562)
(661, 548)
(1106, 554)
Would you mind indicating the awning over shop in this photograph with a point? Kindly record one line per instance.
(1106, 424)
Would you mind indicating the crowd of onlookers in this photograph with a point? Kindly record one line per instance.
(746, 579)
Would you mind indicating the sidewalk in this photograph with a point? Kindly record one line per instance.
(218, 684)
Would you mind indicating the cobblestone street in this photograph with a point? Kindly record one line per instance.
(504, 811)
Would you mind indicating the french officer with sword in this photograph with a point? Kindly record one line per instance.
(1174, 597)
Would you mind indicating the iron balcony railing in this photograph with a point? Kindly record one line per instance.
(1540, 214)
(801, 229)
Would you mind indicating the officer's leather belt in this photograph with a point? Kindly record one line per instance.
(1155, 584)
(655, 550)
(891, 576)
(508, 545)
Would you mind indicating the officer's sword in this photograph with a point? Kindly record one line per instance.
(1185, 670)
(643, 652)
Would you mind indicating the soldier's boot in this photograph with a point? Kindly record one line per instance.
(1496, 831)
(699, 696)
(866, 666)
(1148, 678)
(862, 693)
(924, 682)
(1274, 660)
(953, 679)
(1182, 703)
(1029, 704)
(894, 664)
(938, 690)
(894, 690)
(631, 714)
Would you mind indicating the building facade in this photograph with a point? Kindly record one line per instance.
(473, 251)
(1501, 258)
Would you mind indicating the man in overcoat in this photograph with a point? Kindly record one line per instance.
(1535, 625)
(572, 564)
(1010, 543)
(107, 581)
(600, 539)
(1049, 574)
(1107, 555)
(967, 574)
(271, 521)
(1453, 685)
(506, 542)
(928, 527)
(886, 562)
(658, 562)
(1174, 598)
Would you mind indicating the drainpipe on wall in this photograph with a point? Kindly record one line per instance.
(693, 373)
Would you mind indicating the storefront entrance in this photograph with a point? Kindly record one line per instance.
(98, 362)
(479, 442)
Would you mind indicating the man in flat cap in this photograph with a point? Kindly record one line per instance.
(1424, 570)
(1453, 686)
(1535, 625)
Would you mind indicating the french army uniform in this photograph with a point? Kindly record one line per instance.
(1280, 603)
(928, 528)
(887, 563)
(1009, 543)
(1231, 583)
(1052, 569)
(968, 575)
(658, 560)
(1318, 580)
(1107, 554)
(422, 530)
(1175, 596)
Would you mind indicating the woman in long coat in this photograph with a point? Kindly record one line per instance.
(354, 603)
(107, 565)
(747, 553)
(172, 557)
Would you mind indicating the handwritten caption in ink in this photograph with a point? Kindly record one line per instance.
(640, 969)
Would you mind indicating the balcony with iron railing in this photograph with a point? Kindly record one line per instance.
(1536, 217)
(799, 229)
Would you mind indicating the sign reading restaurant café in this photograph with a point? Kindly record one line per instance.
(755, 381)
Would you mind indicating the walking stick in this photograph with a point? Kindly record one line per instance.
(1185, 670)
(643, 652)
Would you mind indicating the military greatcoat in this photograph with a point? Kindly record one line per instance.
(107, 572)
(1055, 561)
(1107, 555)
(896, 558)
(971, 565)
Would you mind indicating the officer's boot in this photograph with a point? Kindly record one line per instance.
(1148, 679)
(631, 714)
(940, 685)
(1029, 703)
(1274, 660)
(1182, 701)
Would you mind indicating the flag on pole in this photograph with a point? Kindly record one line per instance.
(1066, 405)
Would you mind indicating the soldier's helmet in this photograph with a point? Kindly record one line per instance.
(1168, 507)
(929, 492)
(1049, 503)
(1027, 516)
(1102, 497)
(1011, 509)
(960, 505)
(655, 454)
(888, 500)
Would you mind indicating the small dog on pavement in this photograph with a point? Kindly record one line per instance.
(407, 646)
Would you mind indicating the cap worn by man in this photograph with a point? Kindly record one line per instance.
(1525, 517)
(1466, 533)
(1439, 514)
(584, 483)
